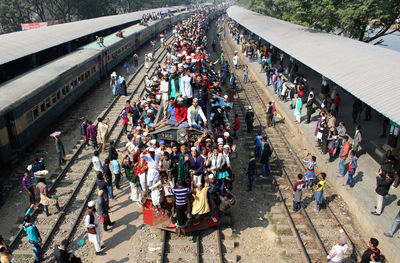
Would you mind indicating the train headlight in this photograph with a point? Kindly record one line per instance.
(181, 136)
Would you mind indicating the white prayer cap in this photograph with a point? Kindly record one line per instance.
(211, 176)
(250, 107)
(148, 100)
(188, 57)
(180, 99)
(145, 134)
(226, 133)
(151, 149)
(153, 141)
(165, 73)
(226, 96)
(91, 204)
(220, 140)
(195, 99)
(193, 149)
(180, 65)
(138, 128)
(138, 137)
(227, 146)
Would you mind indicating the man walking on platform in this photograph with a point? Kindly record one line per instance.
(344, 152)
(383, 183)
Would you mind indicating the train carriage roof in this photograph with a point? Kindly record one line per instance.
(25, 86)
(18, 90)
(369, 72)
(23, 43)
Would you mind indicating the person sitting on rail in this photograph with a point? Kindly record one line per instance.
(195, 116)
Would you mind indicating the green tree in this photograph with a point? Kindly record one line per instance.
(365, 20)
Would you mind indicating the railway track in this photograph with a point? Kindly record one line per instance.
(202, 247)
(75, 184)
(315, 232)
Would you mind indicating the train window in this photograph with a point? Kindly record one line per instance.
(35, 112)
(94, 69)
(67, 88)
(58, 95)
(74, 84)
(108, 58)
(53, 99)
(48, 104)
(64, 90)
(42, 107)
(81, 78)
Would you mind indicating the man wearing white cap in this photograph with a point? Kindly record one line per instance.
(196, 163)
(164, 89)
(153, 160)
(194, 114)
(186, 88)
(249, 118)
(92, 224)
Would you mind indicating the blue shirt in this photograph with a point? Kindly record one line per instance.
(258, 141)
(171, 110)
(116, 169)
(32, 233)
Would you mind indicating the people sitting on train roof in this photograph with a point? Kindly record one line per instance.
(196, 117)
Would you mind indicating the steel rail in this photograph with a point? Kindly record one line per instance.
(291, 221)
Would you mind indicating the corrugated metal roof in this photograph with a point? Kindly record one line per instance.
(23, 43)
(369, 72)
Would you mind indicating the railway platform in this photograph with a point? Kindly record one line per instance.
(362, 198)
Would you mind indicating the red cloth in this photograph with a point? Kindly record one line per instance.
(337, 101)
(237, 124)
(180, 113)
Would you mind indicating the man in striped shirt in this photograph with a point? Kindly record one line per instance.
(180, 193)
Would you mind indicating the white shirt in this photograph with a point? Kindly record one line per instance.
(235, 59)
(97, 164)
(164, 90)
(186, 88)
(337, 252)
(192, 112)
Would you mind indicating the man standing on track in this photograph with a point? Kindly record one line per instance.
(34, 238)
(249, 118)
(102, 132)
(92, 224)
(91, 131)
(235, 60)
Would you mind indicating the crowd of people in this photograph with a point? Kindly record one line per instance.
(195, 174)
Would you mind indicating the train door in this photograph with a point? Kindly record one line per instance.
(11, 129)
(101, 61)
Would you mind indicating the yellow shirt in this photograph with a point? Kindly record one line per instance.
(321, 185)
(200, 204)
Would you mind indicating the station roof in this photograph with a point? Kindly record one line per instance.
(369, 72)
(23, 43)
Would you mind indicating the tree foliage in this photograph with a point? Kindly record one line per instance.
(365, 20)
(15, 12)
